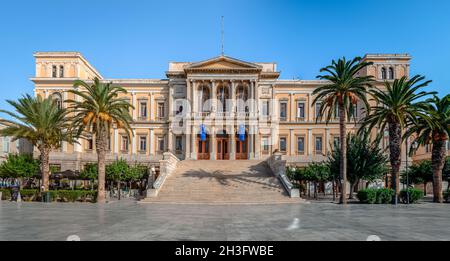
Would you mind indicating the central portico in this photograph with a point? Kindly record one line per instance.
(216, 103)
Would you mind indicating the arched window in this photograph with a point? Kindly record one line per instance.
(391, 73)
(241, 98)
(58, 99)
(61, 71)
(204, 99)
(383, 73)
(54, 71)
(222, 97)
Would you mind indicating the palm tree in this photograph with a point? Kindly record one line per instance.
(100, 109)
(435, 129)
(41, 122)
(397, 106)
(339, 98)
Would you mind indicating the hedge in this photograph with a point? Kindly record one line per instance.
(375, 196)
(447, 195)
(414, 195)
(6, 194)
(55, 195)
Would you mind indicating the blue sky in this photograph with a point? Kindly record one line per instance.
(137, 39)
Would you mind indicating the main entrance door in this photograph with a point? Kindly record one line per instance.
(241, 148)
(203, 149)
(222, 149)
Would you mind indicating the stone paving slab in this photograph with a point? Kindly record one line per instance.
(127, 220)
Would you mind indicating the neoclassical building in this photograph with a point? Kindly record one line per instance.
(219, 109)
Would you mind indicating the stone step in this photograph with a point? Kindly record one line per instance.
(247, 181)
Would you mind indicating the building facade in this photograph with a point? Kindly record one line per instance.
(10, 146)
(219, 109)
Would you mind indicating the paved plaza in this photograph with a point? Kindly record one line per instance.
(128, 220)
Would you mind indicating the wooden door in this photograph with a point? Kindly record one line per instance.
(241, 149)
(203, 149)
(222, 149)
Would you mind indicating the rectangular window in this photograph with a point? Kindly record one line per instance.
(427, 148)
(319, 146)
(283, 110)
(61, 71)
(355, 111)
(143, 110)
(54, 71)
(265, 145)
(300, 145)
(265, 108)
(125, 143)
(283, 144)
(90, 144)
(178, 144)
(6, 144)
(300, 111)
(143, 143)
(160, 144)
(318, 104)
(336, 142)
(161, 113)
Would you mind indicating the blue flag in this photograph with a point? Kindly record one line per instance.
(241, 132)
(202, 132)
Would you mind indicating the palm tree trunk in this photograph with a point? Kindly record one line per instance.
(343, 156)
(395, 149)
(101, 151)
(437, 162)
(45, 167)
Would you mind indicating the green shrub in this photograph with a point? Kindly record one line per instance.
(368, 196)
(76, 195)
(384, 195)
(29, 194)
(447, 195)
(6, 194)
(414, 195)
(375, 196)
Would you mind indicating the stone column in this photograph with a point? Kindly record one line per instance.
(152, 143)
(212, 143)
(233, 142)
(193, 146)
(116, 141)
(170, 141)
(152, 112)
(310, 142)
(250, 142)
(256, 109)
(310, 109)
(257, 143)
(327, 141)
(292, 142)
(171, 93)
(134, 143)
(291, 107)
(188, 93)
(194, 99)
(252, 98)
(233, 98)
(133, 102)
(214, 99)
(187, 142)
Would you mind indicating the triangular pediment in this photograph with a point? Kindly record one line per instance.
(223, 63)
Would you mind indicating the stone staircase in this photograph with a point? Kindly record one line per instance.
(222, 182)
